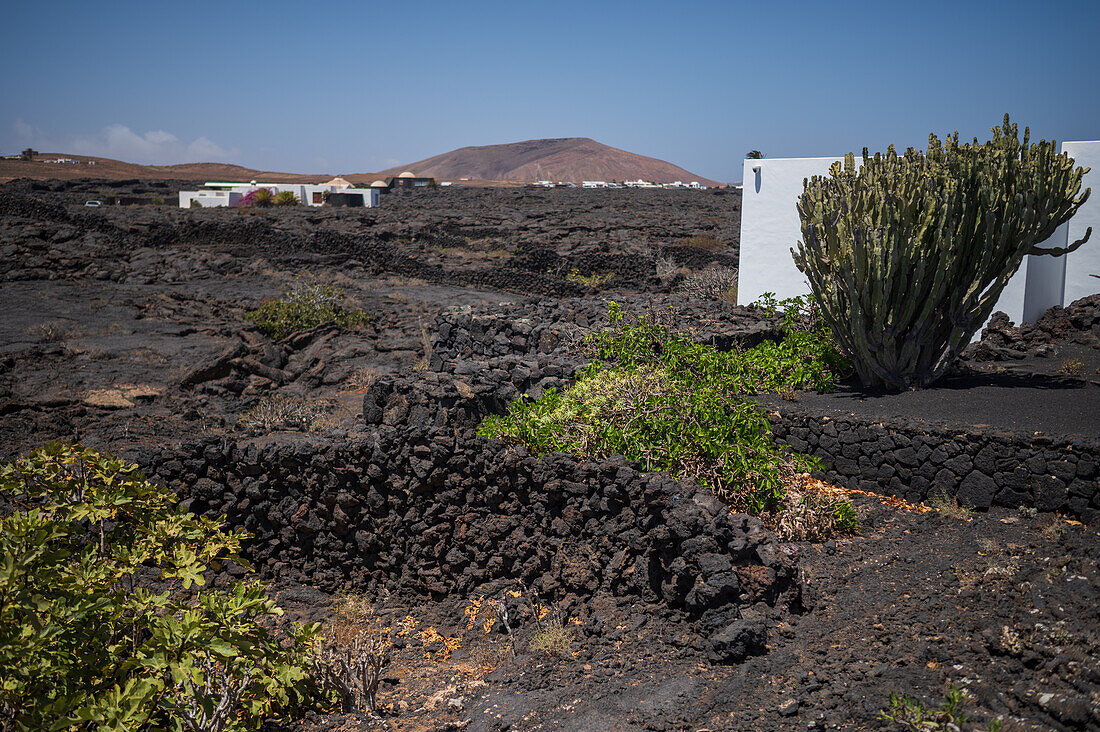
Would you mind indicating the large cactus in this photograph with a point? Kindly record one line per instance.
(908, 255)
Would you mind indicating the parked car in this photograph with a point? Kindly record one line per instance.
(93, 203)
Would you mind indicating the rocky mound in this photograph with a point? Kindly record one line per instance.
(1077, 323)
(573, 159)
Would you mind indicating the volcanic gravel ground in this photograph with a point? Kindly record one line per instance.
(1054, 404)
(1001, 604)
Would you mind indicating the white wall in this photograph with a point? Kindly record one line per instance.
(209, 199)
(770, 226)
(304, 192)
(1086, 260)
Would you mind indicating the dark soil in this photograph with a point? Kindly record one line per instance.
(1048, 403)
(113, 319)
(1001, 603)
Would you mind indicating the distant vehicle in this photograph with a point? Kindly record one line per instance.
(93, 203)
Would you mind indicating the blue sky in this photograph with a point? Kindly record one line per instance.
(343, 87)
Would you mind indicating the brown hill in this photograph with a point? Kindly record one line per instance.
(563, 159)
(108, 169)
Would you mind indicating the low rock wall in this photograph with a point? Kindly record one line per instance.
(442, 511)
(916, 461)
(542, 326)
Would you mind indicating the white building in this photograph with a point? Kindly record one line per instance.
(594, 184)
(210, 199)
(230, 194)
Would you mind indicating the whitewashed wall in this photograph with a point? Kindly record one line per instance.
(1067, 278)
(209, 199)
(770, 227)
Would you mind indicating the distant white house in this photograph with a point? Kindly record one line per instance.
(214, 194)
(594, 184)
(210, 199)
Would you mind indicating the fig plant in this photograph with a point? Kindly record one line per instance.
(105, 621)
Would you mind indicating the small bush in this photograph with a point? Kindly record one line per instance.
(361, 379)
(104, 621)
(50, 332)
(593, 280)
(195, 203)
(912, 715)
(554, 638)
(1073, 367)
(302, 308)
(666, 268)
(257, 197)
(950, 506)
(278, 412)
(285, 198)
(353, 653)
(157, 201)
(716, 283)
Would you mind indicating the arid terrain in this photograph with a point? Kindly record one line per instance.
(124, 327)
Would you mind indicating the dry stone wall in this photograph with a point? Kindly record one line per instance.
(439, 511)
(917, 461)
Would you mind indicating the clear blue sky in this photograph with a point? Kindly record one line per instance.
(342, 87)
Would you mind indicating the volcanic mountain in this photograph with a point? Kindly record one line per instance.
(572, 159)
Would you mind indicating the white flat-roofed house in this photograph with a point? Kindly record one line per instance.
(311, 194)
(594, 184)
(209, 199)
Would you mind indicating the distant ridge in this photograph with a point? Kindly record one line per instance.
(109, 169)
(572, 159)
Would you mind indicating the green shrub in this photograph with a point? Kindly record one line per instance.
(285, 198)
(657, 398)
(104, 621)
(593, 280)
(195, 203)
(157, 201)
(260, 197)
(908, 255)
(302, 308)
(1072, 367)
(911, 714)
(554, 638)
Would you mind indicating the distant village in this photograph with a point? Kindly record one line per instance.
(625, 184)
(339, 192)
(336, 192)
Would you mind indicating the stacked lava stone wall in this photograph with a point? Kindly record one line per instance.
(916, 461)
(442, 511)
(557, 327)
